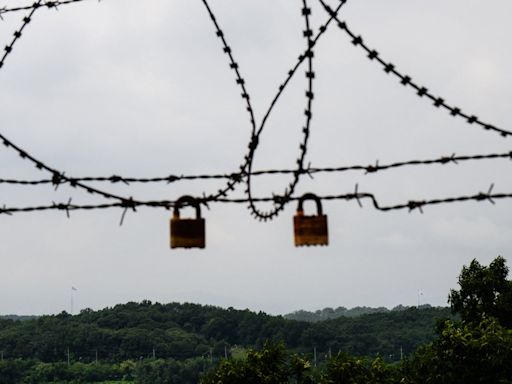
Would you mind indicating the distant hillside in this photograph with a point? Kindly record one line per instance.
(330, 313)
(17, 317)
(182, 331)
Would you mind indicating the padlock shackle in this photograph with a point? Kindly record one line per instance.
(184, 201)
(310, 196)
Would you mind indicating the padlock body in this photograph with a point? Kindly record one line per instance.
(187, 233)
(310, 230)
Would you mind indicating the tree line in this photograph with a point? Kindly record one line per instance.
(184, 331)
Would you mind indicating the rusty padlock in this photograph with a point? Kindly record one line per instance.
(187, 233)
(310, 230)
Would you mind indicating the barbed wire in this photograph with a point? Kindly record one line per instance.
(18, 33)
(410, 205)
(48, 4)
(58, 177)
(246, 166)
(406, 80)
(246, 172)
(308, 33)
(368, 169)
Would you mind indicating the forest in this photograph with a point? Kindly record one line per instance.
(189, 343)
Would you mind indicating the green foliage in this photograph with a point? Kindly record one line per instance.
(170, 371)
(184, 331)
(270, 365)
(484, 291)
(13, 371)
(464, 353)
(331, 313)
(384, 334)
(35, 372)
(345, 369)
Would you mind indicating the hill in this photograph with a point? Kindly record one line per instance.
(182, 331)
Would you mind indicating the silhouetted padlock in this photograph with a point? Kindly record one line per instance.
(310, 230)
(187, 233)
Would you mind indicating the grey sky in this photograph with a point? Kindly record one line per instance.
(142, 88)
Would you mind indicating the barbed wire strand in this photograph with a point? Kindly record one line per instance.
(259, 214)
(18, 33)
(406, 80)
(230, 186)
(310, 75)
(368, 169)
(48, 4)
(411, 205)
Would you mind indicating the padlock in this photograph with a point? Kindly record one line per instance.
(187, 233)
(310, 230)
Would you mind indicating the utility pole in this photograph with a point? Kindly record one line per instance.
(401, 353)
(225, 352)
(154, 354)
(314, 354)
(330, 353)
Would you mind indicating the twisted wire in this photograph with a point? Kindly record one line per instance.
(367, 169)
(407, 81)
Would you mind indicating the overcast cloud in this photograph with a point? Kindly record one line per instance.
(142, 88)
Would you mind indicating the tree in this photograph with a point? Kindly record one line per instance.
(464, 353)
(484, 291)
(267, 366)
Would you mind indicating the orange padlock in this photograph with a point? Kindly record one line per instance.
(187, 233)
(310, 230)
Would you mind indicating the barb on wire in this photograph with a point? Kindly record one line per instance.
(406, 80)
(127, 204)
(237, 177)
(63, 206)
(411, 205)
